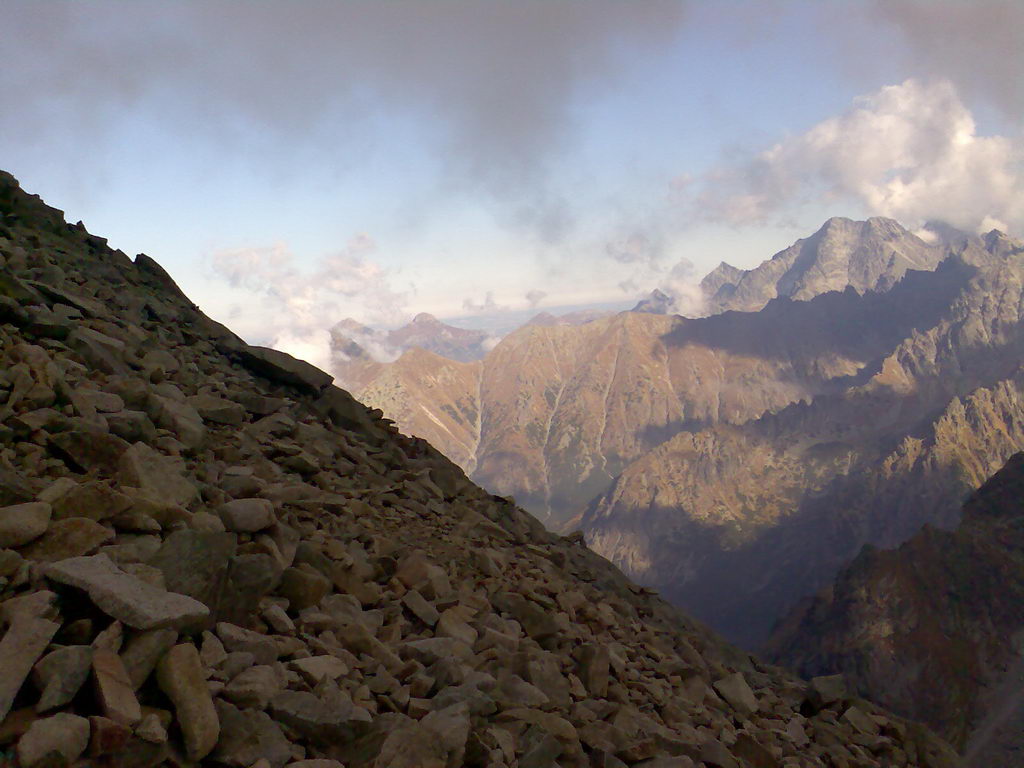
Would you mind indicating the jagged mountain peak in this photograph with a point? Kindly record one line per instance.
(657, 302)
(866, 255)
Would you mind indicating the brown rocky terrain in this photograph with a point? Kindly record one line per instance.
(560, 410)
(737, 522)
(870, 255)
(932, 629)
(210, 555)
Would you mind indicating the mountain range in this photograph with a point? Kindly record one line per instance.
(212, 556)
(737, 461)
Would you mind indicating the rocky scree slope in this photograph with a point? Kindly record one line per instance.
(737, 522)
(932, 629)
(209, 555)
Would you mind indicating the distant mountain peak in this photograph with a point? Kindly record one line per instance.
(425, 318)
(657, 302)
(869, 255)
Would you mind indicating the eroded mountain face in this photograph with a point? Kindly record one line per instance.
(932, 629)
(554, 414)
(736, 522)
(209, 555)
(358, 351)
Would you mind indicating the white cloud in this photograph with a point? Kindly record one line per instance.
(682, 286)
(298, 308)
(909, 151)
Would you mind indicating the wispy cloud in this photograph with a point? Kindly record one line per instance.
(298, 307)
(487, 306)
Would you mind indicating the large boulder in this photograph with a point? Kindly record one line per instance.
(124, 597)
(283, 368)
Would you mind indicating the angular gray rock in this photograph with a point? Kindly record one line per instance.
(248, 736)
(124, 597)
(735, 690)
(114, 688)
(158, 476)
(22, 645)
(247, 515)
(60, 674)
(283, 368)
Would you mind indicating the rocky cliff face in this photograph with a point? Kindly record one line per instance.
(933, 628)
(209, 555)
(870, 255)
(737, 522)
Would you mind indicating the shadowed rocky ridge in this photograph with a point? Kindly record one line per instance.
(210, 555)
(933, 629)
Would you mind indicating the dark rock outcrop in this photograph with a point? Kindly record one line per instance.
(932, 629)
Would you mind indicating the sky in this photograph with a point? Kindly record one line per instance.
(295, 163)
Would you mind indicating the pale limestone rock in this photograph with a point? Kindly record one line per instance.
(114, 688)
(420, 608)
(143, 651)
(180, 675)
(735, 690)
(236, 638)
(318, 668)
(158, 476)
(253, 688)
(151, 729)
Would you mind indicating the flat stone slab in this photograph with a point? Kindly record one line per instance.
(125, 597)
(283, 368)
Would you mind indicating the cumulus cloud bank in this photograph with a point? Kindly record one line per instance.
(979, 45)
(303, 305)
(909, 151)
(492, 87)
